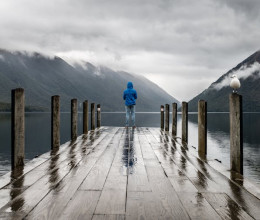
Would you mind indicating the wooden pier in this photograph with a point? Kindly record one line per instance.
(118, 173)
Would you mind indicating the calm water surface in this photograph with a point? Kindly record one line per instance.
(38, 141)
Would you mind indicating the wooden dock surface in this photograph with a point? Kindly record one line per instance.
(118, 173)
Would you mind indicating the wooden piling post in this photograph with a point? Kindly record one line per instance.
(167, 117)
(98, 116)
(74, 119)
(92, 116)
(174, 119)
(55, 122)
(185, 122)
(17, 128)
(85, 117)
(162, 117)
(202, 128)
(236, 133)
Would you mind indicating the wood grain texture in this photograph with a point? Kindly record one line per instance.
(82, 204)
(117, 173)
(225, 206)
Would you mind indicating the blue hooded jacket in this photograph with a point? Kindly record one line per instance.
(130, 95)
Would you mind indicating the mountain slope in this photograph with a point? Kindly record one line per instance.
(42, 77)
(217, 95)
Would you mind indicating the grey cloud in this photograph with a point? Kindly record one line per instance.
(196, 38)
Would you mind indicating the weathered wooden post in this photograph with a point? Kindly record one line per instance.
(17, 128)
(98, 116)
(174, 119)
(236, 132)
(202, 128)
(162, 117)
(185, 122)
(55, 122)
(74, 119)
(85, 117)
(92, 116)
(167, 117)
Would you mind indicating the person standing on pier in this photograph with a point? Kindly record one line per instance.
(130, 95)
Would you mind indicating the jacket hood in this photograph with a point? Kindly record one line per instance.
(129, 85)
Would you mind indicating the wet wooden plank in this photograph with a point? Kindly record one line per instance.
(162, 189)
(33, 195)
(144, 205)
(53, 204)
(81, 206)
(113, 197)
(108, 217)
(182, 185)
(197, 206)
(209, 180)
(138, 183)
(225, 206)
(111, 202)
(95, 180)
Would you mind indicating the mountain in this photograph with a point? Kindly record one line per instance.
(43, 77)
(217, 95)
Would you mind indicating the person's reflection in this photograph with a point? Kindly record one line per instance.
(125, 149)
(17, 188)
(131, 149)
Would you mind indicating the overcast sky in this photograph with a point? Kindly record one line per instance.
(182, 45)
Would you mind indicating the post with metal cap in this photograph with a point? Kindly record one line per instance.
(174, 119)
(202, 128)
(74, 119)
(55, 122)
(167, 117)
(185, 122)
(98, 116)
(162, 117)
(85, 117)
(92, 116)
(17, 128)
(236, 132)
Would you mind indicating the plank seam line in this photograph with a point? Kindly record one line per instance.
(108, 174)
(214, 170)
(48, 191)
(187, 158)
(183, 206)
(63, 150)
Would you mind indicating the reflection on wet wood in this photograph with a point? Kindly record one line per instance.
(117, 173)
(225, 206)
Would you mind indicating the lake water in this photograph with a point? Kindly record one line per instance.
(38, 141)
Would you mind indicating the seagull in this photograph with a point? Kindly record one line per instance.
(235, 83)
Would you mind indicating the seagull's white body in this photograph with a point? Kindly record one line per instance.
(235, 83)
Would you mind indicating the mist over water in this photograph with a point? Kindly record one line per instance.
(243, 72)
(38, 135)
